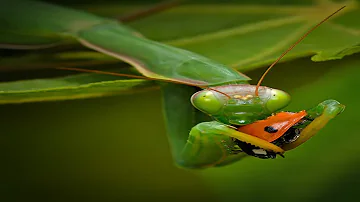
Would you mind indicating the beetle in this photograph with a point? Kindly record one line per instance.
(279, 129)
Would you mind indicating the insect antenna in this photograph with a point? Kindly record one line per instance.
(124, 75)
(136, 77)
(103, 72)
(291, 47)
(228, 96)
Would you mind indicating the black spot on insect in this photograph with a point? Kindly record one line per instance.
(270, 129)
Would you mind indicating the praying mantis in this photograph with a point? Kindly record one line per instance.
(226, 96)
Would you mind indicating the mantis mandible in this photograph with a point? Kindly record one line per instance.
(225, 94)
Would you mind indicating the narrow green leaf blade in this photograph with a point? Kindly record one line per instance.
(71, 87)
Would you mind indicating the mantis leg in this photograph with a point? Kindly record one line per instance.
(319, 117)
(205, 147)
(213, 144)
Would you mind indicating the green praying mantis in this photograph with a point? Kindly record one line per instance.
(226, 96)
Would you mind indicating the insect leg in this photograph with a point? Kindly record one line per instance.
(321, 115)
(205, 147)
(212, 144)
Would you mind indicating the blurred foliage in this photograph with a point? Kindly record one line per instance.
(115, 148)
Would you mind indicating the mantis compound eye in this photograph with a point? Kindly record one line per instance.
(278, 100)
(208, 101)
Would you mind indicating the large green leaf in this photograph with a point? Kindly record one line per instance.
(246, 37)
(243, 35)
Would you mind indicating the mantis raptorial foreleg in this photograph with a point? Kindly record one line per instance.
(213, 144)
(205, 147)
(319, 116)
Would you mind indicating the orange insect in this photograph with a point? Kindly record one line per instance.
(274, 126)
(277, 129)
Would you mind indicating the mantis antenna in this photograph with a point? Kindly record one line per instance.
(135, 76)
(291, 47)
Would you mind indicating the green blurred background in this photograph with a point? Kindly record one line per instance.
(115, 148)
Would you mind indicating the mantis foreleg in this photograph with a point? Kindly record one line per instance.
(213, 144)
(320, 115)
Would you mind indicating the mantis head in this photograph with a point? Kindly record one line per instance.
(239, 99)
